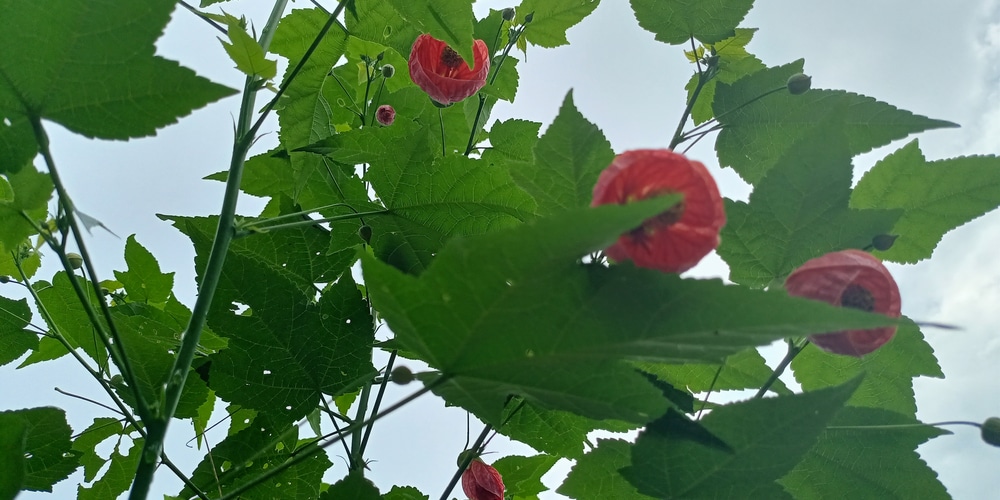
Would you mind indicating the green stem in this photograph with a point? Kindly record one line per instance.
(794, 348)
(378, 398)
(357, 436)
(157, 427)
(711, 386)
(493, 78)
(902, 426)
(110, 337)
(241, 232)
(441, 123)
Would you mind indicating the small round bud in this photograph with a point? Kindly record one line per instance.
(75, 260)
(507, 14)
(365, 233)
(884, 242)
(991, 431)
(798, 84)
(401, 375)
(4, 279)
(388, 70)
(385, 115)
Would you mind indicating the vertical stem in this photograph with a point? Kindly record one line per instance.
(357, 460)
(794, 348)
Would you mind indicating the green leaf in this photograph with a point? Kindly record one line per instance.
(13, 434)
(596, 474)
(522, 476)
(67, 316)
(767, 438)
(677, 21)
(554, 432)
(47, 452)
(505, 86)
(514, 312)
(377, 21)
(357, 47)
(512, 140)
(75, 74)
(734, 62)
(247, 53)
(31, 193)
(14, 339)
(404, 493)
(799, 211)
(757, 132)
(935, 197)
(552, 18)
(889, 371)
(248, 453)
(118, 477)
(568, 159)
(143, 281)
(86, 444)
(354, 486)
(856, 457)
(447, 20)
(29, 263)
(746, 369)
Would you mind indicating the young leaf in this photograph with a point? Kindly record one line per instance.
(756, 135)
(73, 73)
(767, 438)
(522, 476)
(889, 371)
(143, 281)
(14, 339)
(734, 62)
(858, 458)
(596, 475)
(936, 197)
(31, 193)
(247, 53)
(46, 446)
(552, 18)
(68, 316)
(799, 211)
(677, 21)
(568, 159)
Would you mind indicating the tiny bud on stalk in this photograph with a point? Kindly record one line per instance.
(75, 260)
(991, 431)
(508, 14)
(401, 375)
(365, 233)
(798, 84)
(388, 70)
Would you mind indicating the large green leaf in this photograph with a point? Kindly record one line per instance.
(87, 441)
(767, 438)
(568, 159)
(522, 476)
(118, 477)
(14, 339)
(889, 371)
(46, 446)
(144, 282)
(13, 431)
(799, 211)
(552, 18)
(67, 316)
(69, 70)
(31, 191)
(677, 21)
(551, 431)
(447, 20)
(596, 475)
(514, 312)
(512, 141)
(757, 132)
(935, 197)
(867, 453)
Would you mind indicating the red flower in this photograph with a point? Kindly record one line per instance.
(673, 241)
(849, 278)
(482, 482)
(441, 72)
(385, 115)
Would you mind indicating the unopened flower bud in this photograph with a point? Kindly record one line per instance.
(529, 17)
(385, 115)
(798, 83)
(75, 260)
(991, 431)
(482, 482)
(507, 14)
(388, 70)
(884, 242)
(401, 375)
(365, 233)
(4, 279)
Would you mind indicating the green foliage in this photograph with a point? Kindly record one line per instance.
(552, 18)
(596, 474)
(743, 370)
(14, 339)
(522, 476)
(404, 493)
(733, 63)
(353, 486)
(45, 452)
(677, 21)
(29, 193)
(935, 197)
(246, 52)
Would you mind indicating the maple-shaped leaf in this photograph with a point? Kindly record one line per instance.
(797, 212)
(758, 131)
(935, 197)
(677, 21)
(596, 475)
(515, 312)
(92, 67)
(14, 339)
(41, 437)
(551, 19)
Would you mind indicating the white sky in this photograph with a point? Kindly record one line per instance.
(938, 59)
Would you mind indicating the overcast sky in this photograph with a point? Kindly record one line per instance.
(939, 59)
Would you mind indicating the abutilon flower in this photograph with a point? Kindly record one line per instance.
(677, 239)
(385, 115)
(438, 70)
(849, 278)
(482, 482)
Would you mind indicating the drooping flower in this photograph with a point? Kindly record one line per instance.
(482, 482)
(438, 70)
(677, 239)
(849, 278)
(385, 115)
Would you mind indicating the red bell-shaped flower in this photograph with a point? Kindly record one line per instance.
(673, 241)
(482, 482)
(849, 278)
(443, 74)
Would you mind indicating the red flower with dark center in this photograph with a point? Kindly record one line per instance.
(849, 278)
(677, 239)
(440, 71)
(482, 482)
